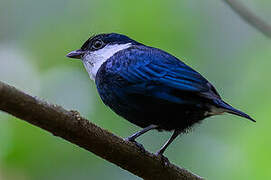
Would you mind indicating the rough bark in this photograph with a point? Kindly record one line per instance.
(71, 126)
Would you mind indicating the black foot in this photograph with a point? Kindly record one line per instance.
(163, 158)
(140, 146)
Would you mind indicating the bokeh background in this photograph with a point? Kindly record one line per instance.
(36, 35)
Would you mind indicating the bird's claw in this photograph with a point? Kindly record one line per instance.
(163, 158)
(140, 146)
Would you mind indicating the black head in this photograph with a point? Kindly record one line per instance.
(99, 41)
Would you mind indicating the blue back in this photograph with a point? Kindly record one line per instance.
(147, 70)
(147, 86)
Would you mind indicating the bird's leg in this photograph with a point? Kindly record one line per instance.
(163, 148)
(139, 133)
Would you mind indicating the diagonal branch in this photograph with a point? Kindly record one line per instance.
(71, 126)
(250, 17)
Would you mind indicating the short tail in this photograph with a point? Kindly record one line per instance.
(229, 109)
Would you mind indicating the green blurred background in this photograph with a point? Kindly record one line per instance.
(36, 35)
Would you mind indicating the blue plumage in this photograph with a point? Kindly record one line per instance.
(150, 87)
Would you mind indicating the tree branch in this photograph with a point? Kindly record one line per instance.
(71, 126)
(250, 17)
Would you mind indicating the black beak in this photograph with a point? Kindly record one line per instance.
(77, 54)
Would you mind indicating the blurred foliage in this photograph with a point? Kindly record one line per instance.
(36, 35)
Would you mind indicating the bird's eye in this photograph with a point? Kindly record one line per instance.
(97, 44)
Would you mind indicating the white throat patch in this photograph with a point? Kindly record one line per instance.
(93, 60)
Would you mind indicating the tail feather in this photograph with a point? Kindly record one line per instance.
(229, 109)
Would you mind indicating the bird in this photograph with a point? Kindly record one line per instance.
(149, 87)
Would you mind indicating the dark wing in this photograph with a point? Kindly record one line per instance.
(151, 72)
(154, 72)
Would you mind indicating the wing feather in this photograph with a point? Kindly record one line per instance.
(158, 73)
